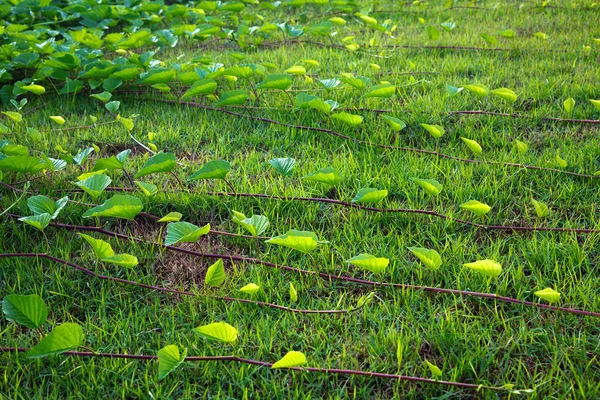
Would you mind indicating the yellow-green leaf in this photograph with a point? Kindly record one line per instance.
(220, 331)
(171, 217)
(486, 267)
(548, 294)
(35, 89)
(431, 186)
(541, 209)
(434, 369)
(596, 104)
(169, 359)
(473, 146)
(569, 104)
(436, 130)
(522, 147)
(215, 274)
(561, 162)
(15, 116)
(58, 119)
(505, 93)
(293, 293)
(298, 70)
(476, 207)
(250, 288)
(477, 89)
(430, 258)
(370, 262)
(290, 360)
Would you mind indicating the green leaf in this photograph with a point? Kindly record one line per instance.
(283, 166)
(220, 331)
(101, 248)
(233, 97)
(169, 360)
(171, 217)
(473, 146)
(149, 189)
(118, 206)
(127, 123)
(347, 118)
(216, 169)
(112, 106)
(476, 207)
(124, 260)
(435, 371)
(276, 81)
(159, 163)
(296, 70)
(521, 146)
(35, 89)
(430, 258)
(95, 184)
(250, 288)
(103, 97)
(548, 294)
(569, 104)
(477, 89)
(489, 38)
(256, 225)
(113, 162)
(356, 82)
(596, 104)
(369, 195)
(203, 86)
(507, 33)
(215, 274)
(505, 94)
(293, 293)
(39, 221)
(436, 130)
(329, 84)
(395, 123)
(13, 115)
(432, 32)
(541, 209)
(239, 71)
(453, 90)
(83, 155)
(370, 262)
(561, 162)
(486, 267)
(23, 164)
(184, 232)
(158, 75)
(329, 176)
(298, 240)
(41, 204)
(290, 360)
(431, 186)
(65, 337)
(29, 310)
(385, 90)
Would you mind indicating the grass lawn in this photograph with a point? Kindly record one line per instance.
(532, 160)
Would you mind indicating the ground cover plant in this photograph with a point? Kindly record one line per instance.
(299, 199)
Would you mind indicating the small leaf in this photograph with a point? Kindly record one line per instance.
(293, 293)
(477, 90)
(65, 337)
(203, 86)
(369, 195)
(540, 35)
(385, 90)
(103, 97)
(216, 169)
(476, 207)
(159, 163)
(436, 130)
(290, 360)
(29, 310)
(169, 359)
(430, 258)
(35, 89)
(395, 123)
(124, 260)
(347, 118)
(486, 267)
(431, 186)
(233, 97)
(329, 84)
(489, 38)
(215, 274)
(220, 331)
(13, 115)
(149, 189)
(370, 262)
(329, 176)
(548, 294)
(39, 221)
(453, 90)
(561, 162)
(58, 119)
(95, 184)
(256, 225)
(541, 209)
(296, 70)
(522, 147)
(432, 32)
(298, 240)
(250, 288)
(118, 206)
(283, 166)
(569, 104)
(171, 217)
(596, 104)
(435, 371)
(276, 81)
(505, 94)
(184, 232)
(507, 33)
(473, 146)
(101, 248)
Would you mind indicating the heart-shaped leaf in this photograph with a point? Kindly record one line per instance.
(432, 32)
(250, 288)
(541, 209)
(113, 162)
(348, 119)
(29, 310)
(149, 189)
(44, 205)
(395, 123)
(370, 262)
(203, 86)
(161, 162)
(184, 232)
(298, 240)
(276, 81)
(124, 260)
(256, 225)
(215, 274)
(521, 147)
(430, 258)
(216, 169)
(101, 248)
(431, 186)
(486, 267)
(220, 331)
(118, 206)
(39, 221)
(95, 184)
(290, 360)
(384, 90)
(57, 119)
(329, 176)
(505, 94)
(596, 104)
(35, 89)
(329, 84)
(231, 98)
(283, 166)
(369, 195)
(169, 360)
(548, 294)
(65, 337)
(473, 146)
(171, 217)
(23, 164)
(476, 207)
(436, 130)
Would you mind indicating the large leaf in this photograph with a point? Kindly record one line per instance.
(385, 90)
(118, 206)
(231, 98)
(159, 163)
(95, 184)
(44, 205)
(215, 274)
(370, 262)
(298, 240)
(39, 221)
(216, 169)
(505, 94)
(113, 162)
(23, 164)
(276, 81)
(486, 267)
(101, 248)
(220, 331)
(430, 258)
(472, 145)
(184, 232)
(65, 337)
(476, 207)
(290, 360)
(431, 186)
(541, 209)
(158, 75)
(369, 195)
(436, 130)
(329, 176)
(256, 225)
(395, 123)
(548, 294)
(203, 86)
(348, 119)
(283, 166)
(29, 310)
(169, 359)
(124, 260)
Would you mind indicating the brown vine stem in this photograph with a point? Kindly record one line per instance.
(569, 120)
(382, 146)
(259, 363)
(331, 277)
(167, 290)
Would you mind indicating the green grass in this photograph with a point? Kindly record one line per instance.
(471, 340)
